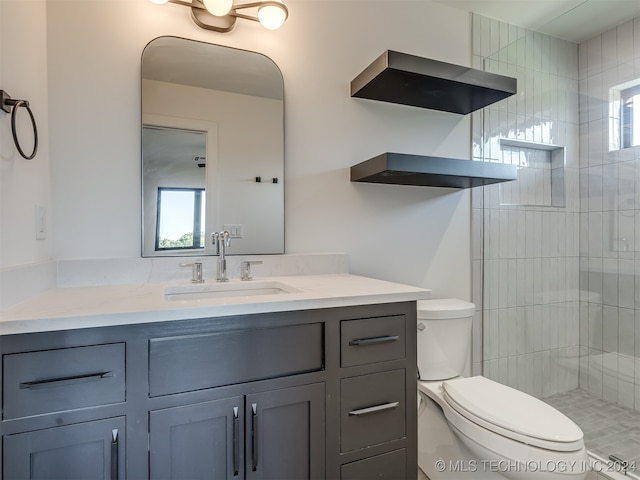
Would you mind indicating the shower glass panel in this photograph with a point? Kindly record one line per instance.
(556, 254)
(530, 254)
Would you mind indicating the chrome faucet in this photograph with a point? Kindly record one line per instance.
(221, 240)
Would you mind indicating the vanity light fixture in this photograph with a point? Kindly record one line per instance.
(221, 15)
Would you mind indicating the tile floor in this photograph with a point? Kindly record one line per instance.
(609, 429)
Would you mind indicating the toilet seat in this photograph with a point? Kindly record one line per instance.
(512, 414)
(491, 413)
(491, 447)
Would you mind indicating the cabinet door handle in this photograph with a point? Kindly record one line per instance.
(63, 381)
(376, 409)
(254, 436)
(373, 340)
(236, 442)
(114, 454)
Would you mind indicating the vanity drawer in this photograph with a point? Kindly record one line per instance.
(64, 379)
(386, 466)
(194, 362)
(372, 409)
(371, 340)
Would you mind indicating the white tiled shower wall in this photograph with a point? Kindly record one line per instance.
(528, 258)
(558, 288)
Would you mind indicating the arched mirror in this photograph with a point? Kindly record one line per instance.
(212, 149)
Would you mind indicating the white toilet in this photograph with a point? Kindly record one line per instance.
(477, 428)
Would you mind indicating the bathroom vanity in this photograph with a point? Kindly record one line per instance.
(317, 385)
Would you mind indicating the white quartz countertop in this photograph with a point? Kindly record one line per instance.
(99, 306)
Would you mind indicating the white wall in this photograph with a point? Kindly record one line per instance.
(23, 183)
(413, 235)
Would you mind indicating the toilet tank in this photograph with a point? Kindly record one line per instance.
(444, 337)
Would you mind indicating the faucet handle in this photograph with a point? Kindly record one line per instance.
(214, 241)
(245, 269)
(217, 237)
(196, 272)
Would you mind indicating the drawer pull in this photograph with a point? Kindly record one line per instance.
(114, 454)
(254, 436)
(236, 442)
(377, 409)
(59, 382)
(373, 340)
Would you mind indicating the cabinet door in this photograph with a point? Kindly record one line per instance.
(286, 434)
(199, 441)
(83, 451)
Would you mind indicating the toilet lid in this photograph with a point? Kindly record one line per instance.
(444, 308)
(510, 412)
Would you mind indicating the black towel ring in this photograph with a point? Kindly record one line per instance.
(10, 105)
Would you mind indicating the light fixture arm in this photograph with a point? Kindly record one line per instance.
(193, 4)
(266, 3)
(206, 20)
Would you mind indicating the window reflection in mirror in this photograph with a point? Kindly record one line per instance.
(233, 102)
(180, 218)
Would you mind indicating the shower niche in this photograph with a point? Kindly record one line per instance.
(541, 174)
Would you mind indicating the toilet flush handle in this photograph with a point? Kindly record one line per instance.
(421, 326)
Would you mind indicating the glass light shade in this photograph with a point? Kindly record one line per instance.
(219, 8)
(158, 2)
(272, 16)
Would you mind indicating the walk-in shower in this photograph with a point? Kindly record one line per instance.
(556, 254)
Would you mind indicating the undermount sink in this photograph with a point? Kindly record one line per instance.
(224, 290)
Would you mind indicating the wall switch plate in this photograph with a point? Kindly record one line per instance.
(234, 229)
(41, 222)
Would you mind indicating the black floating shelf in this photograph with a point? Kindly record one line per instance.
(422, 82)
(403, 169)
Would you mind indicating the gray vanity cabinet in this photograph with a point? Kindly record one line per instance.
(281, 431)
(200, 441)
(378, 394)
(91, 450)
(285, 434)
(310, 394)
(53, 383)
